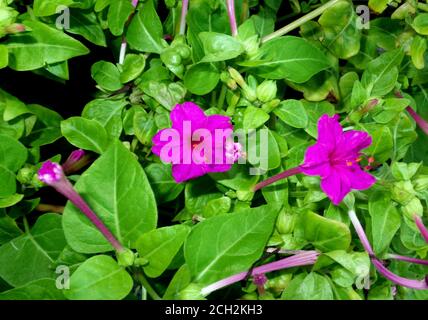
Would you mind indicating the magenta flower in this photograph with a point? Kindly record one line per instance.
(53, 175)
(196, 144)
(335, 158)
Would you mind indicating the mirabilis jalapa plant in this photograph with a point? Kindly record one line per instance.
(336, 209)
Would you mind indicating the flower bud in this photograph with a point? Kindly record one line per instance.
(266, 91)
(125, 258)
(285, 222)
(251, 46)
(278, 284)
(420, 183)
(7, 16)
(413, 207)
(191, 292)
(402, 192)
(25, 175)
(237, 77)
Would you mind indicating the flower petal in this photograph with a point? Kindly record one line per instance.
(317, 161)
(159, 142)
(184, 172)
(329, 130)
(351, 143)
(188, 111)
(218, 122)
(336, 186)
(360, 180)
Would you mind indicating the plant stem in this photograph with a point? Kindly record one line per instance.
(297, 23)
(407, 259)
(49, 208)
(222, 97)
(301, 259)
(282, 175)
(418, 119)
(66, 188)
(124, 45)
(184, 9)
(423, 230)
(146, 284)
(232, 17)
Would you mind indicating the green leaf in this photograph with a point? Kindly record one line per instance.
(324, 234)
(201, 78)
(162, 183)
(385, 222)
(43, 289)
(160, 246)
(145, 33)
(49, 7)
(292, 113)
(341, 34)
(13, 154)
(107, 75)
(420, 24)
(259, 142)
(8, 229)
(117, 189)
(219, 47)
(227, 244)
(180, 281)
(31, 256)
(86, 24)
(41, 46)
(4, 56)
(99, 278)
(108, 113)
(118, 15)
(85, 134)
(47, 128)
(10, 200)
(254, 118)
(298, 63)
(381, 74)
(13, 107)
(132, 67)
(312, 287)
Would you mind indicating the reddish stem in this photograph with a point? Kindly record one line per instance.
(282, 175)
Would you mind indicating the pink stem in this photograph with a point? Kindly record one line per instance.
(418, 119)
(421, 227)
(301, 259)
(66, 188)
(232, 17)
(407, 259)
(282, 175)
(409, 283)
(184, 9)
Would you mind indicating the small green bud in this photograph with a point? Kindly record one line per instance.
(402, 192)
(271, 105)
(191, 292)
(25, 175)
(420, 183)
(184, 51)
(141, 262)
(244, 195)
(404, 171)
(171, 57)
(251, 46)
(403, 11)
(35, 182)
(278, 284)
(125, 258)
(285, 222)
(266, 91)
(413, 207)
(7, 16)
(237, 77)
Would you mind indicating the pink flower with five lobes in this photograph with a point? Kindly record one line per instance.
(196, 144)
